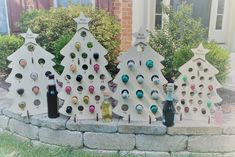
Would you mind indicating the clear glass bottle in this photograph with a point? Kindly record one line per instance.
(106, 108)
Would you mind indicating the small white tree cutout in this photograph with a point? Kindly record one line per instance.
(29, 65)
(85, 77)
(140, 82)
(197, 86)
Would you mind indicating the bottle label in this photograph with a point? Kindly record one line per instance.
(51, 82)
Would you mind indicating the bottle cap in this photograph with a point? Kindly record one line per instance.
(51, 76)
(106, 93)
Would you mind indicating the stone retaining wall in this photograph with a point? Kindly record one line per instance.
(186, 139)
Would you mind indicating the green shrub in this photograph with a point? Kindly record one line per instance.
(219, 58)
(8, 45)
(179, 36)
(58, 22)
(58, 45)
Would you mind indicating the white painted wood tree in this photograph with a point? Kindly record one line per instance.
(85, 78)
(197, 86)
(140, 82)
(28, 88)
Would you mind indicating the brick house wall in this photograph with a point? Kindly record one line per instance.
(122, 9)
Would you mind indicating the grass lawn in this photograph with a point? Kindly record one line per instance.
(10, 146)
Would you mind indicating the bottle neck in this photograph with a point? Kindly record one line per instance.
(106, 97)
(51, 82)
(52, 87)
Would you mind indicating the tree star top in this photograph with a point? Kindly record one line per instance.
(29, 35)
(200, 50)
(82, 21)
(141, 36)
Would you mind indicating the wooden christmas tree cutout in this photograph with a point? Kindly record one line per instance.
(197, 86)
(140, 82)
(29, 65)
(85, 77)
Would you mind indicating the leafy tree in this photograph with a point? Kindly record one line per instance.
(181, 33)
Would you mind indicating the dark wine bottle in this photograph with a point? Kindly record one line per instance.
(169, 108)
(52, 99)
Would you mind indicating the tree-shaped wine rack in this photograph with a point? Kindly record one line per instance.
(30, 64)
(140, 82)
(197, 86)
(85, 78)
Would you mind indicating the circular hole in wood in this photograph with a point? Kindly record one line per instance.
(195, 109)
(183, 93)
(192, 93)
(102, 88)
(23, 63)
(184, 85)
(102, 76)
(80, 88)
(84, 67)
(209, 95)
(211, 78)
(201, 86)
(31, 48)
(125, 107)
(178, 108)
(200, 94)
(80, 108)
(199, 102)
(83, 34)
(41, 61)
(67, 77)
(140, 48)
(199, 64)
(190, 69)
(203, 111)
(186, 109)
(37, 102)
(91, 77)
(182, 101)
(202, 78)
(191, 101)
(97, 97)
(89, 44)
(72, 55)
(205, 70)
(84, 55)
(193, 77)
(18, 76)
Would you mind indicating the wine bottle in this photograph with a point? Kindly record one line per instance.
(125, 94)
(106, 108)
(168, 108)
(52, 98)
(96, 56)
(130, 64)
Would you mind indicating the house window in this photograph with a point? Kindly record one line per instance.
(3, 17)
(65, 3)
(220, 14)
(158, 14)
